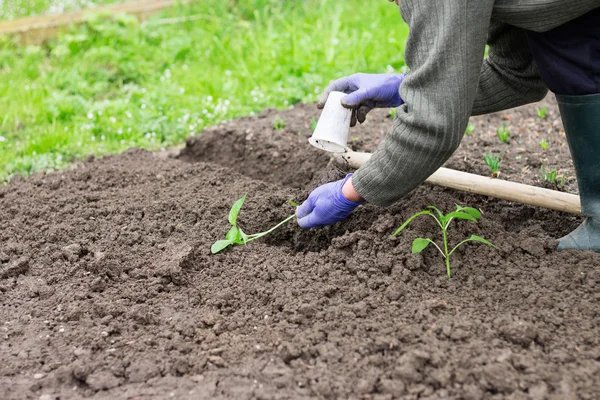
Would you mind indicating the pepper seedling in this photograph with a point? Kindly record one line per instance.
(466, 213)
(236, 235)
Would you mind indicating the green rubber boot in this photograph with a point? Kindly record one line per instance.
(581, 119)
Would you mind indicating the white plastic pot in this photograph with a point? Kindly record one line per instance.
(331, 132)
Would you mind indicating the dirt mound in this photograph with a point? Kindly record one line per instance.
(108, 288)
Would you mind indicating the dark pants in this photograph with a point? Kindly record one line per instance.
(568, 57)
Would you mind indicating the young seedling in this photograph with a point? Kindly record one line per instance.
(544, 144)
(466, 213)
(503, 133)
(392, 113)
(278, 123)
(541, 112)
(236, 235)
(313, 124)
(470, 129)
(551, 176)
(493, 161)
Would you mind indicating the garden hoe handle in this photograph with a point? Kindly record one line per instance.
(498, 188)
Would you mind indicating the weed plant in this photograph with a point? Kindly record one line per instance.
(493, 162)
(278, 123)
(551, 175)
(503, 133)
(470, 129)
(541, 112)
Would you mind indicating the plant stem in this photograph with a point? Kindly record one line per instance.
(447, 256)
(259, 235)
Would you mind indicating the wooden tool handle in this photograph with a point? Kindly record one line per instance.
(498, 188)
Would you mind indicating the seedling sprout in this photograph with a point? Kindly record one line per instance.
(541, 112)
(313, 124)
(466, 213)
(278, 123)
(544, 144)
(493, 161)
(470, 129)
(236, 235)
(551, 176)
(503, 133)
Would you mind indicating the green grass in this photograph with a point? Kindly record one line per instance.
(12, 9)
(113, 83)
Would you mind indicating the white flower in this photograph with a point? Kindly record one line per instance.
(91, 115)
(2, 139)
(113, 120)
(143, 106)
(129, 115)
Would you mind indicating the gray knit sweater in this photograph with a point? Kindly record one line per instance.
(449, 80)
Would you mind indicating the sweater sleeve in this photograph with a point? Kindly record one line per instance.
(509, 77)
(444, 53)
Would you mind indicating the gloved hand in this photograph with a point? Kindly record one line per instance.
(326, 205)
(365, 92)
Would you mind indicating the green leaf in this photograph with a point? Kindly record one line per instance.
(408, 221)
(233, 233)
(461, 215)
(292, 202)
(419, 244)
(235, 210)
(437, 210)
(482, 240)
(469, 210)
(219, 245)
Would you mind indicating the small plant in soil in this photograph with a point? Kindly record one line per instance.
(466, 213)
(551, 176)
(470, 129)
(544, 144)
(236, 235)
(542, 111)
(278, 123)
(392, 113)
(493, 161)
(313, 124)
(503, 133)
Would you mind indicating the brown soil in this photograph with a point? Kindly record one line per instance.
(108, 289)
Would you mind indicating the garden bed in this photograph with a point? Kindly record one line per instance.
(109, 289)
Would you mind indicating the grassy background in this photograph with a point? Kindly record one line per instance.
(113, 83)
(12, 9)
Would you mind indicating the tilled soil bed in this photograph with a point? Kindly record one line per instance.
(108, 288)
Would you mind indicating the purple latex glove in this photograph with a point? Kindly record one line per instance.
(365, 92)
(326, 205)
